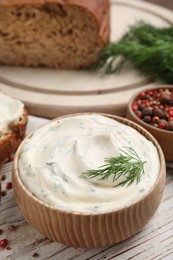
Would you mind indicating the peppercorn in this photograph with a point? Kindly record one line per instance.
(135, 107)
(169, 126)
(165, 99)
(8, 248)
(141, 107)
(162, 124)
(147, 111)
(3, 177)
(9, 185)
(35, 255)
(158, 112)
(3, 193)
(138, 114)
(3, 242)
(12, 228)
(142, 95)
(155, 107)
(154, 124)
(147, 119)
(11, 158)
(155, 119)
(170, 113)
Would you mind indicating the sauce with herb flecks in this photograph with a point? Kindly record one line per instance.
(52, 160)
(10, 111)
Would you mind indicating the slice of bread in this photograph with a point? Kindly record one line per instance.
(12, 134)
(65, 34)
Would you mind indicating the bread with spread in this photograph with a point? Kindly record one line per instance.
(65, 34)
(13, 121)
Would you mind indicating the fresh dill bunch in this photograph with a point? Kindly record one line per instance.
(148, 48)
(127, 164)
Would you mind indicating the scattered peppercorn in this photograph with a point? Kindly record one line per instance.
(3, 193)
(12, 228)
(9, 185)
(3, 243)
(1, 231)
(155, 107)
(35, 255)
(8, 248)
(11, 158)
(3, 177)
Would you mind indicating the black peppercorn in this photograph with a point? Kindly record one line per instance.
(169, 126)
(165, 99)
(141, 107)
(147, 119)
(35, 255)
(158, 112)
(147, 111)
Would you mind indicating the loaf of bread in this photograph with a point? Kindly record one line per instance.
(65, 34)
(13, 121)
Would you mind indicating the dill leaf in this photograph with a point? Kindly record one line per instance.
(127, 164)
(148, 48)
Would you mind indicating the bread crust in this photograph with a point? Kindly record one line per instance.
(11, 139)
(100, 9)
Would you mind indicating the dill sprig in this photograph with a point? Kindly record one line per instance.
(127, 164)
(148, 48)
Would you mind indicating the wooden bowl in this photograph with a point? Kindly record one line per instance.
(91, 229)
(164, 137)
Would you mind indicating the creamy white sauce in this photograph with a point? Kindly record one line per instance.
(10, 111)
(52, 160)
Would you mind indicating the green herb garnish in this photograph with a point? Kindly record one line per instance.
(148, 48)
(127, 164)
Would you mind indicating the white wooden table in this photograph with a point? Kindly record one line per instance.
(155, 241)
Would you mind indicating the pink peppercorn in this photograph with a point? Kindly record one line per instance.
(11, 158)
(155, 119)
(170, 113)
(150, 92)
(3, 177)
(135, 107)
(139, 114)
(162, 124)
(142, 95)
(3, 242)
(9, 185)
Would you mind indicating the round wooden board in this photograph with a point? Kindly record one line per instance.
(50, 93)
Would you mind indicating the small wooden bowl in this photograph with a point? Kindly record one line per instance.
(91, 229)
(164, 137)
